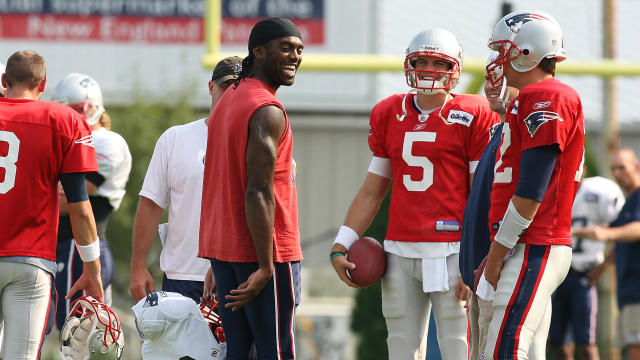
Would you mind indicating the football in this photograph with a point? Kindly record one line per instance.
(368, 256)
(478, 273)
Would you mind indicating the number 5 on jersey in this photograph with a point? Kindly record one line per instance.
(417, 161)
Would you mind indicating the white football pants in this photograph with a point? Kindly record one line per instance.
(26, 294)
(522, 303)
(406, 309)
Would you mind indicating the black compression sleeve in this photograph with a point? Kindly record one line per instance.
(74, 187)
(536, 166)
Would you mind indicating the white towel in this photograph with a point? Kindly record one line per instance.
(485, 290)
(435, 276)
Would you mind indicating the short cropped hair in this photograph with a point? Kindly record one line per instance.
(548, 65)
(25, 67)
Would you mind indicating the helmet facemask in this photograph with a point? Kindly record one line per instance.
(92, 329)
(435, 81)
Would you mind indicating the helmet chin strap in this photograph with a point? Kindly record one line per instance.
(504, 94)
(404, 106)
(446, 98)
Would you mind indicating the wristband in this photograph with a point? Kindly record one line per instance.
(336, 254)
(89, 252)
(346, 237)
(512, 227)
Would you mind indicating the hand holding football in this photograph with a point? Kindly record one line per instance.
(368, 256)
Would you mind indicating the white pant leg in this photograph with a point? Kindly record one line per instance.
(26, 294)
(538, 348)
(525, 292)
(451, 317)
(405, 308)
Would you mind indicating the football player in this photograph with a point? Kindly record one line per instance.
(537, 173)
(42, 143)
(475, 238)
(106, 187)
(575, 302)
(625, 231)
(428, 142)
(174, 181)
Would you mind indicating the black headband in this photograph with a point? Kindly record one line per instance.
(272, 28)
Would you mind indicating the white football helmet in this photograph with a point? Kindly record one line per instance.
(438, 43)
(524, 38)
(83, 94)
(213, 318)
(91, 331)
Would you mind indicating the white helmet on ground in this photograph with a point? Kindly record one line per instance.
(91, 331)
(524, 38)
(438, 43)
(82, 93)
(172, 326)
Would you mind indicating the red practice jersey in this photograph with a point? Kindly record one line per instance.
(38, 141)
(430, 159)
(545, 113)
(224, 232)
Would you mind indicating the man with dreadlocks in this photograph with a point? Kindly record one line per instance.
(249, 214)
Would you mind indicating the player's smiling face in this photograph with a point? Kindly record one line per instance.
(428, 66)
(283, 57)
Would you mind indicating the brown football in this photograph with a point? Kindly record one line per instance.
(368, 256)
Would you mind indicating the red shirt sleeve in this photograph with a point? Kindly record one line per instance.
(545, 121)
(80, 154)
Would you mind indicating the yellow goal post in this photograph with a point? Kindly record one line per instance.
(380, 63)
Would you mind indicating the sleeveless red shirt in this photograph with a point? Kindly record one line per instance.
(224, 233)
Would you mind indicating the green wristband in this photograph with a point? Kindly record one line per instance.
(336, 254)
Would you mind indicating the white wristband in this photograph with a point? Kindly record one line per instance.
(346, 237)
(89, 252)
(512, 227)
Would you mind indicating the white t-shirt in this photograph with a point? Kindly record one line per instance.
(114, 164)
(174, 180)
(597, 202)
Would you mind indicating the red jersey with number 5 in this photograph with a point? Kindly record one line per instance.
(38, 141)
(545, 113)
(431, 159)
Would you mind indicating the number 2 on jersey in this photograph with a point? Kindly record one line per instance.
(417, 161)
(8, 162)
(505, 175)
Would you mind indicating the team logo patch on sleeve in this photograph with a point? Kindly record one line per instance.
(537, 118)
(459, 117)
(86, 140)
(514, 109)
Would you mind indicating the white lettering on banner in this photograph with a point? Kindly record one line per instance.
(289, 8)
(243, 9)
(86, 7)
(20, 6)
(52, 28)
(152, 8)
(149, 30)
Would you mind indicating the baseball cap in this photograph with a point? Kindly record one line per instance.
(227, 69)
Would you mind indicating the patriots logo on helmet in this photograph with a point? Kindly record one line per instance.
(537, 118)
(516, 21)
(152, 300)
